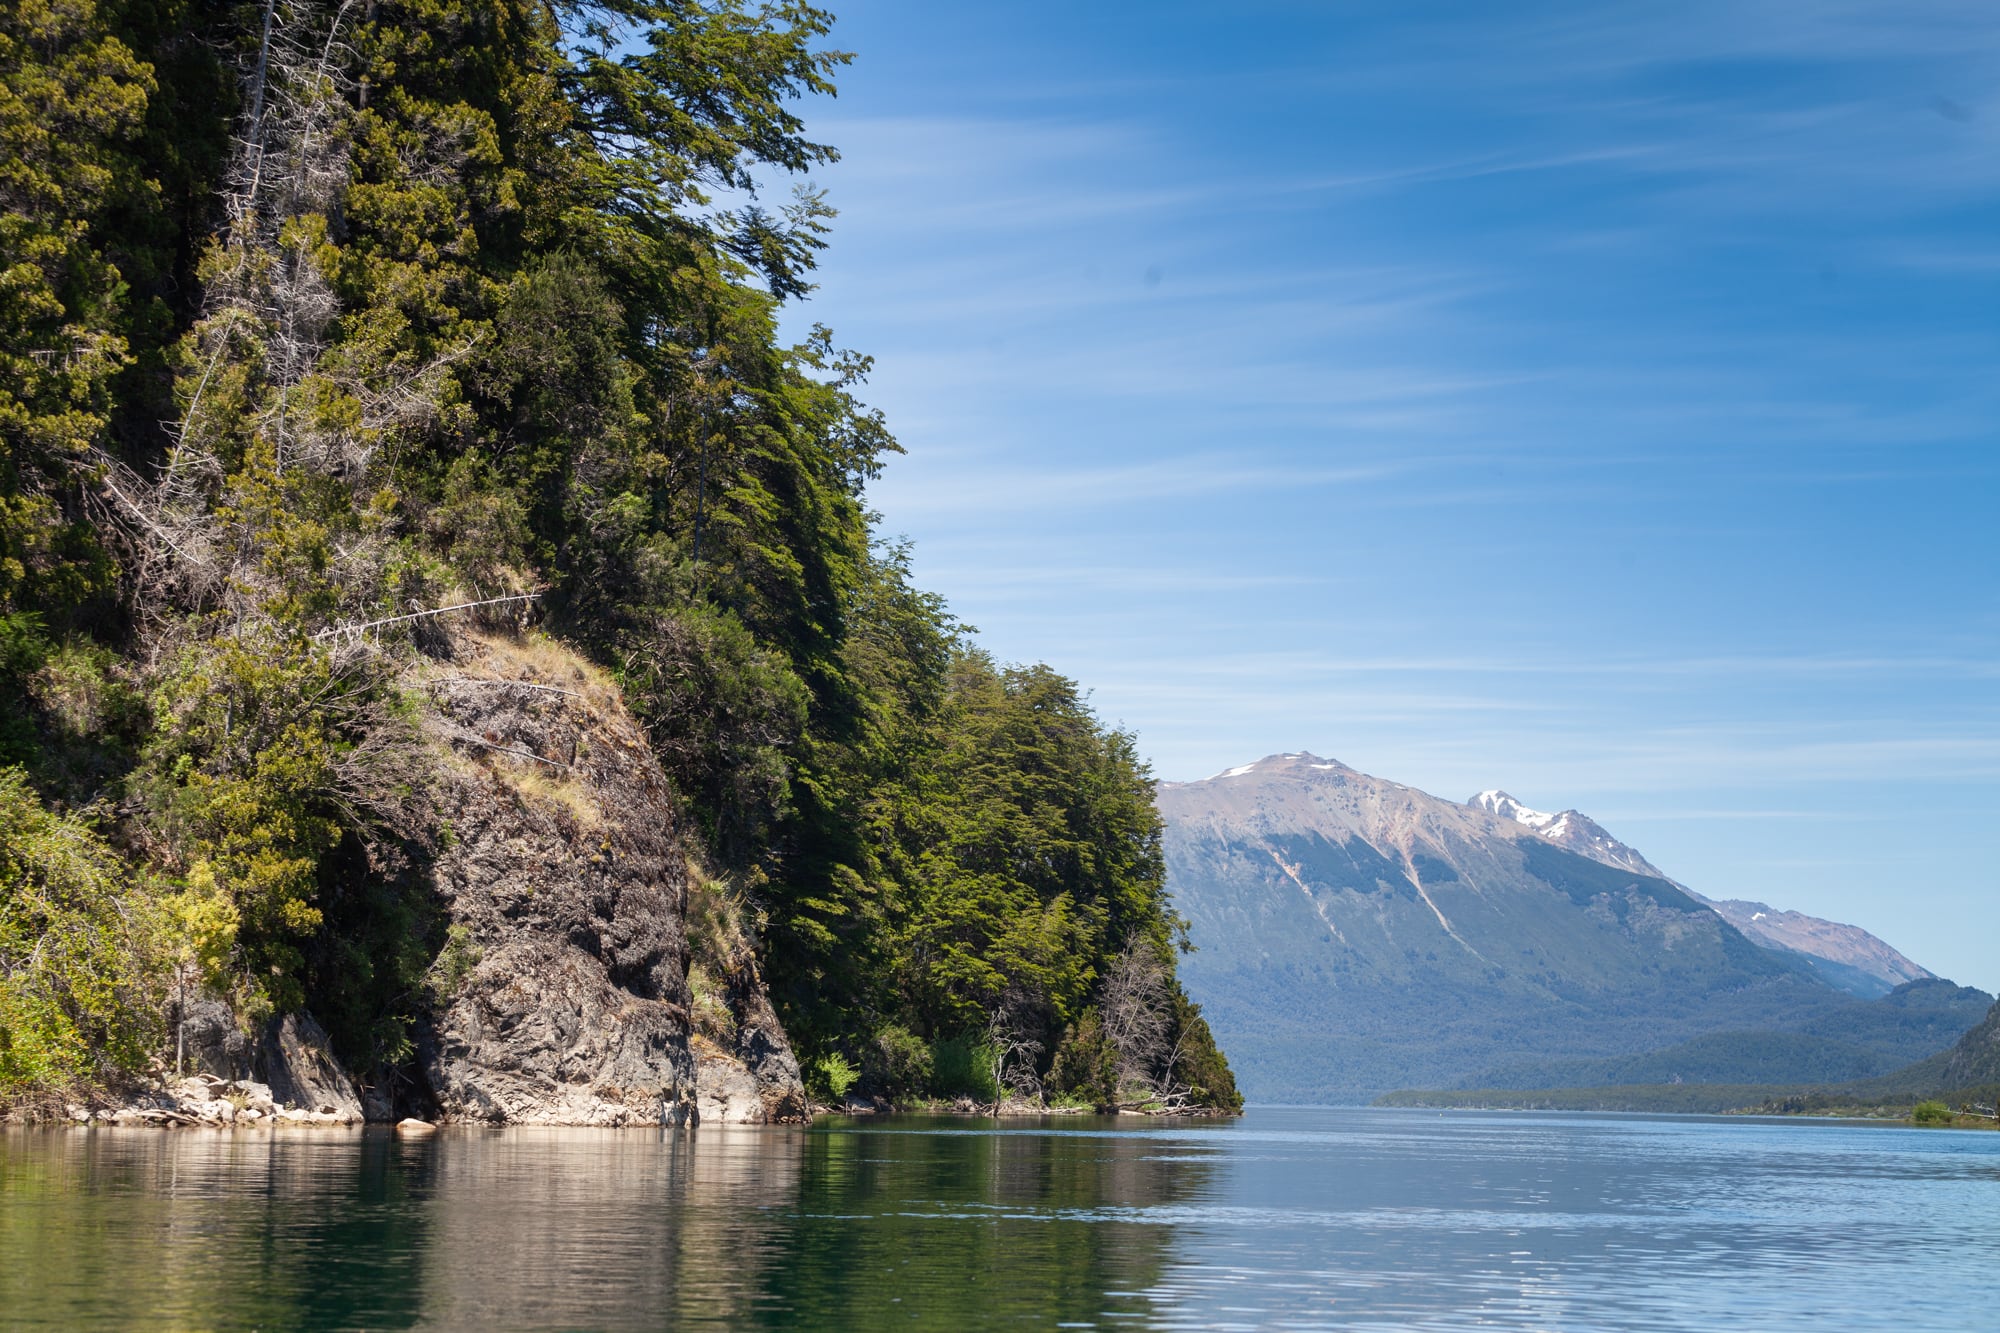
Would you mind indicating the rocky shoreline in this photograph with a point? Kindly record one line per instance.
(205, 1100)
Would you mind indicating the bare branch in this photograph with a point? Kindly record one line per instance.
(349, 630)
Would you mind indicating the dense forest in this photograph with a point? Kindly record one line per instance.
(332, 327)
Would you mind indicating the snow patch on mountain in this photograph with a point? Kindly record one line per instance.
(1851, 951)
(1570, 829)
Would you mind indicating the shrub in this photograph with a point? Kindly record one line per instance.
(23, 649)
(963, 1067)
(1931, 1113)
(830, 1076)
(1086, 1064)
(454, 963)
(264, 752)
(721, 711)
(83, 970)
(713, 1018)
(1201, 1067)
(898, 1064)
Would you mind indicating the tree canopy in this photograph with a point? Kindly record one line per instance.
(324, 314)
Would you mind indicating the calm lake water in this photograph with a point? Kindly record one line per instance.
(1284, 1219)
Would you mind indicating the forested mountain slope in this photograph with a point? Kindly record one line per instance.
(1356, 935)
(338, 336)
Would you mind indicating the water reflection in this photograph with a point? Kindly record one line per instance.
(926, 1225)
(845, 1224)
(1308, 1219)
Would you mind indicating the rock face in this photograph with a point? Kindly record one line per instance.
(289, 1057)
(754, 1079)
(297, 1063)
(762, 1052)
(561, 994)
(563, 986)
(209, 1041)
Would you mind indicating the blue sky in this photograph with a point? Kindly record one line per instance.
(1596, 401)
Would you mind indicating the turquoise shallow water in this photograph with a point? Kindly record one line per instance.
(1287, 1218)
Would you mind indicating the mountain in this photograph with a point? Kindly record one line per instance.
(1845, 1044)
(1571, 829)
(1847, 956)
(1355, 934)
(1975, 1060)
(1732, 1071)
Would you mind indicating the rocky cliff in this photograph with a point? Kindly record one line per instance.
(562, 993)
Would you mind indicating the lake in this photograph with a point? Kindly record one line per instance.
(1287, 1218)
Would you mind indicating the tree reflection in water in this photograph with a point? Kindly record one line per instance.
(917, 1224)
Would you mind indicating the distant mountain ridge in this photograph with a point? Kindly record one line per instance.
(1570, 828)
(1846, 956)
(1355, 935)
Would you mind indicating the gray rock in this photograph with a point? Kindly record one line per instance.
(565, 999)
(378, 1105)
(211, 1041)
(726, 1092)
(294, 1058)
(289, 1058)
(756, 1081)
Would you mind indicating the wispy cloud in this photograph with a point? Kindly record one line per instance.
(993, 490)
(1588, 398)
(1613, 668)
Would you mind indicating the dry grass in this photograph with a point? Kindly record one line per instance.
(538, 659)
(532, 658)
(722, 952)
(713, 1018)
(537, 786)
(718, 924)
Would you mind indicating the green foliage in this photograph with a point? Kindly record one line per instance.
(897, 1064)
(480, 526)
(23, 649)
(831, 1075)
(72, 100)
(1199, 1064)
(1930, 1113)
(963, 1066)
(1086, 1065)
(82, 951)
(252, 770)
(722, 711)
(1031, 850)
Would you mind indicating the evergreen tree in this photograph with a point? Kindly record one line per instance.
(461, 302)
